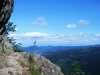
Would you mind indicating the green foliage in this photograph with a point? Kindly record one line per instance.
(32, 70)
(88, 60)
(11, 40)
(65, 71)
(22, 64)
(76, 70)
(16, 47)
(31, 61)
(11, 28)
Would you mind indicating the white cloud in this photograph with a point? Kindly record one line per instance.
(95, 39)
(83, 22)
(80, 22)
(28, 35)
(36, 35)
(97, 35)
(71, 26)
(49, 39)
(81, 33)
(40, 22)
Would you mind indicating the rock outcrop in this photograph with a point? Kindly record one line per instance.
(18, 64)
(45, 66)
(6, 8)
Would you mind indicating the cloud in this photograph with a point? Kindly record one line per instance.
(49, 39)
(71, 26)
(98, 35)
(40, 22)
(34, 35)
(83, 22)
(80, 22)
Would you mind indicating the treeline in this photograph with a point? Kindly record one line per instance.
(88, 60)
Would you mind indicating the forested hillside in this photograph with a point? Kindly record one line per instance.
(87, 59)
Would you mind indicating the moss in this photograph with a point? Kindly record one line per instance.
(22, 64)
(33, 70)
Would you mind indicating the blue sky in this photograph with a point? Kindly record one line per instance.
(56, 22)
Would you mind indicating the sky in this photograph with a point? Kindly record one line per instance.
(56, 22)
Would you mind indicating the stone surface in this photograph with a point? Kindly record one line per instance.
(6, 8)
(46, 67)
(12, 64)
(5, 46)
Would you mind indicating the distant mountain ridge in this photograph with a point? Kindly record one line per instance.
(88, 59)
(43, 49)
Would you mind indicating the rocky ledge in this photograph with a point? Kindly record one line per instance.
(18, 64)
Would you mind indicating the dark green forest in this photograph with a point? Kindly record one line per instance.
(87, 60)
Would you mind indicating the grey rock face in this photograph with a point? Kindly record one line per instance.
(45, 66)
(12, 64)
(6, 8)
(5, 45)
